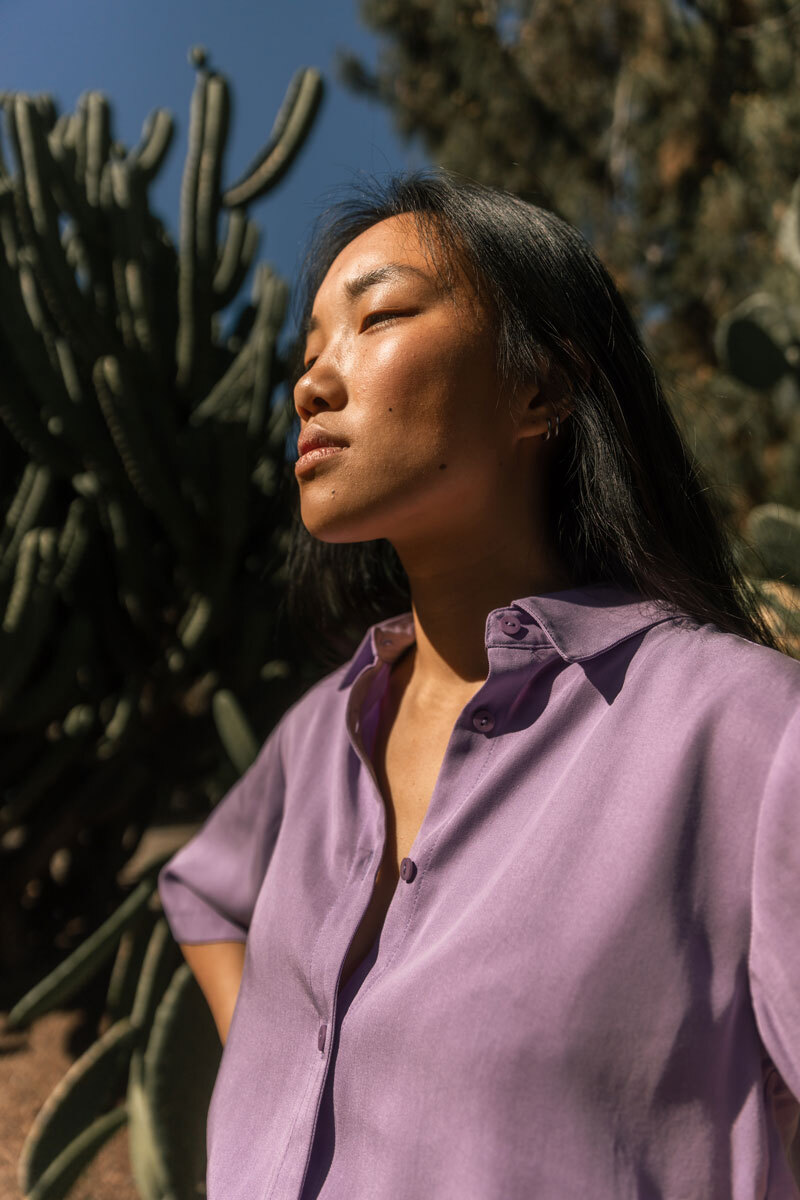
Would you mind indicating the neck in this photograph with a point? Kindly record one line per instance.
(450, 605)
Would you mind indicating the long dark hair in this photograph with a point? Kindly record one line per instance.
(628, 502)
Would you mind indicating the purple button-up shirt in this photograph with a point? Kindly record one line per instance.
(588, 980)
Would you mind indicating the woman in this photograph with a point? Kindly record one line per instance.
(508, 903)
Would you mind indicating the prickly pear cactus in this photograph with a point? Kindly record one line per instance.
(758, 343)
(141, 458)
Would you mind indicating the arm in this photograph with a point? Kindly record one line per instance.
(217, 967)
(209, 888)
(774, 962)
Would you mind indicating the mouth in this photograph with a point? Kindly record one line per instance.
(312, 458)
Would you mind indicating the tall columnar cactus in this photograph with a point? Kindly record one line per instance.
(140, 458)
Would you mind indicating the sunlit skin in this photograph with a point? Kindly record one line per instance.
(441, 460)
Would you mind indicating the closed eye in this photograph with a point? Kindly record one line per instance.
(384, 318)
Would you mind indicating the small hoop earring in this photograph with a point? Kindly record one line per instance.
(557, 424)
(546, 436)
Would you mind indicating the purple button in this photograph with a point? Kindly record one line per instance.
(323, 1029)
(408, 869)
(483, 720)
(509, 624)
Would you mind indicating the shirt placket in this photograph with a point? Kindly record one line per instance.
(482, 715)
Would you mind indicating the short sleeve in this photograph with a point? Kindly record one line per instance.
(774, 959)
(208, 889)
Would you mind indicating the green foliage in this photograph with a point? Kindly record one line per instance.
(142, 451)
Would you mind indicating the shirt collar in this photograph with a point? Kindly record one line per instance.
(579, 623)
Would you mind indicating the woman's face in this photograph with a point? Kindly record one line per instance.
(405, 374)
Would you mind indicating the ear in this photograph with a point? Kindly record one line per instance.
(535, 403)
(554, 395)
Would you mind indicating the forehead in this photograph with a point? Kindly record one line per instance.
(394, 247)
(394, 239)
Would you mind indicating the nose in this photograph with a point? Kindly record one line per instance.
(318, 390)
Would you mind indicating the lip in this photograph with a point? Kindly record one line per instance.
(314, 436)
(315, 445)
(312, 458)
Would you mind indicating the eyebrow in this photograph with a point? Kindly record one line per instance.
(361, 283)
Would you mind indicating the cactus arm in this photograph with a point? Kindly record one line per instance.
(146, 1164)
(124, 720)
(298, 110)
(206, 210)
(161, 959)
(87, 1090)
(235, 731)
(271, 295)
(139, 454)
(38, 218)
(126, 970)
(26, 508)
(233, 383)
(194, 621)
(27, 617)
(79, 132)
(207, 202)
(273, 298)
(39, 357)
(137, 275)
(239, 250)
(187, 284)
(157, 134)
(83, 963)
(82, 423)
(45, 106)
(177, 1073)
(98, 143)
(59, 1177)
(131, 278)
(24, 575)
(73, 542)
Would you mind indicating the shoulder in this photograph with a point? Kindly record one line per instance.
(322, 705)
(709, 673)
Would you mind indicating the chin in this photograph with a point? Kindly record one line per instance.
(336, 527)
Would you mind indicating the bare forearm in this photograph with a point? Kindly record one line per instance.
(217, 967)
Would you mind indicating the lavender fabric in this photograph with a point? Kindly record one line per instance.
(588, 982)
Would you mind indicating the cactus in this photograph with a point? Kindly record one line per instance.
(170, 1089)
(85, 1093)
(758, 343)
(70, 975)
(143, 455)
(141, 524)
(234, 730)
(774, 531)
(62, 1173)
(153, 1067)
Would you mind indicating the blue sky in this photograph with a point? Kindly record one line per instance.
(136, 53)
